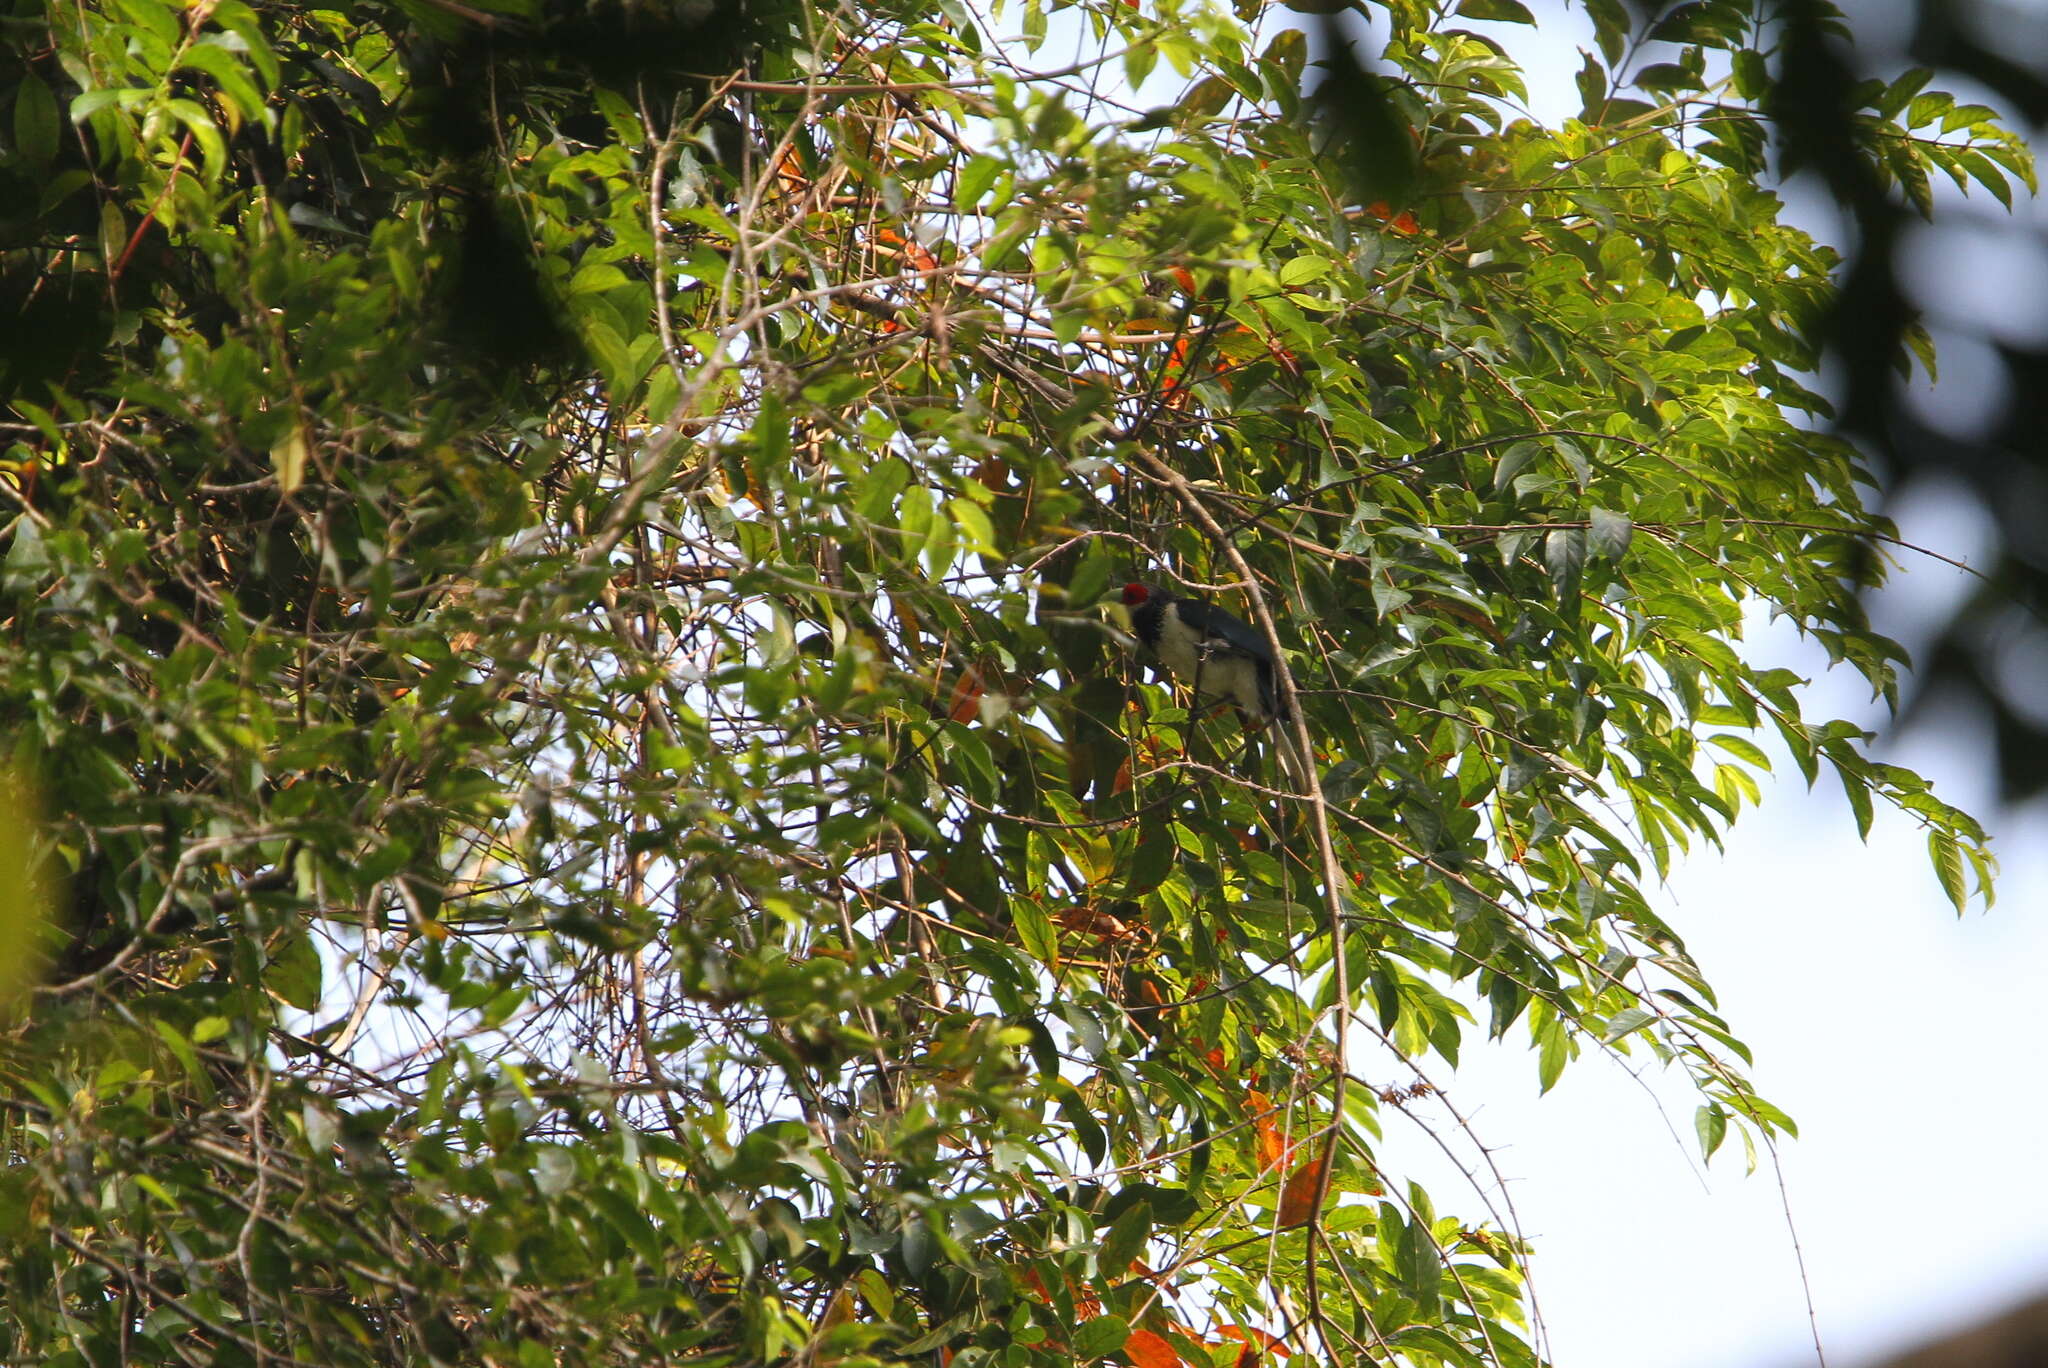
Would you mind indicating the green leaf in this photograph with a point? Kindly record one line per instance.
(1592, 83)
(1947, 858)
(596, 277)
(974, 525)
(1420, 1268)
(975, 180)
(1125, 1240)
(1036, 932)
(1303, 269)
(244, 97)
(1087, 1130)
(1857, 790)
(1666, 77)
(1742, 748)
(876, 1289)
(1627, 1020)
(1752, 76)
(1513, 462)
(876, 489)
(1171, 1206)
(1710, 1123)
(35, 120)
(1609, 533)
(294, 971)
(1554, 1049)
(1564, 556)
(1099, 1337)
(1206, 100)
(1499, 11)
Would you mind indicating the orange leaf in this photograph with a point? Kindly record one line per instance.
(1298, 1196)
(1403, 222)
(1148, 1350)
(1215, 1059)
(1172, 388)
(912, 250)
(965, 704)
(1272, 1149)
(1253, 1340)
(788, 172)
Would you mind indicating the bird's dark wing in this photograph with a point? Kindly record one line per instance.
(1222, 632)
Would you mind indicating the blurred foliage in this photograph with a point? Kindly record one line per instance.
(1988, 652)
(556, 588)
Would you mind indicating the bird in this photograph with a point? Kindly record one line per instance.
(1219, 656)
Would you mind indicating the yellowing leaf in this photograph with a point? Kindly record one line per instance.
(288, 459)
(838, 1311)
(25, 893)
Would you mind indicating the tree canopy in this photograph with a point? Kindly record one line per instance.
(558, 631)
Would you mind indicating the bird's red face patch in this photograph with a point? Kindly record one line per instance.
(1135, 594)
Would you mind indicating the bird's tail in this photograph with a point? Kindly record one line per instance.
(1297, 766)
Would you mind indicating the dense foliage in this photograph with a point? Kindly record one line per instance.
(559, 598)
